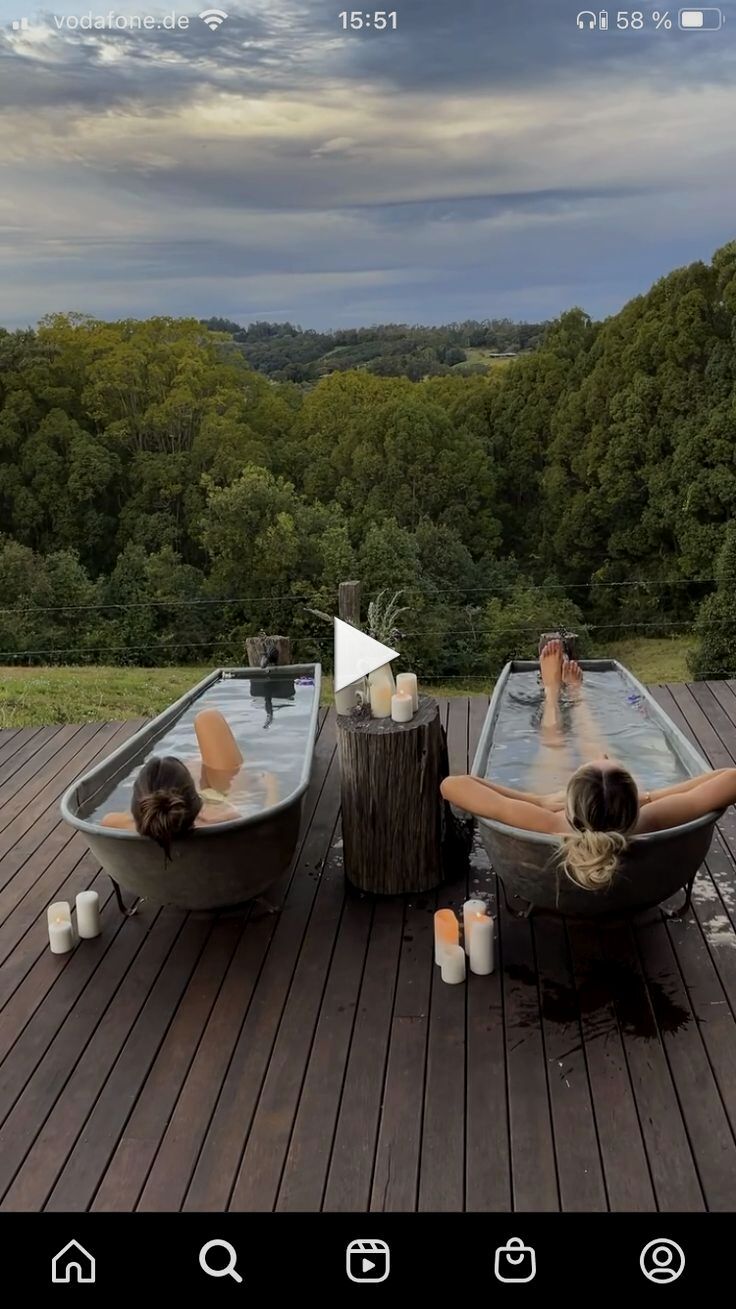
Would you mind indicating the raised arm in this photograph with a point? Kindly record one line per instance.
(689, 800)
(506, 806)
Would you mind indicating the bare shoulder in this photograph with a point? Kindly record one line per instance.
(123, 822)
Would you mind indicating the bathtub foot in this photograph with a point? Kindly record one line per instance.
(127, 912)
(685, 906)
(264, 908)
(526, 912)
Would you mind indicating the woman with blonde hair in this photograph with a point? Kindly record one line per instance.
(601, 808)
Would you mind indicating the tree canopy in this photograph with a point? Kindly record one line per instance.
(160, 497)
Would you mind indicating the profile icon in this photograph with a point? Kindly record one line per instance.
(662, 1261)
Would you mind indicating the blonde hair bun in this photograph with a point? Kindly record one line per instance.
(590, 859)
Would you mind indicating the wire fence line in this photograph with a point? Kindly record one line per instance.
(299, 598)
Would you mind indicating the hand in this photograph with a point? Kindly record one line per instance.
(555, 802)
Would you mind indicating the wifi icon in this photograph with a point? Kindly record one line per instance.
(214, 18)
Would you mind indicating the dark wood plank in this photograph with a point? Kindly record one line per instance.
(442, 1161)
(37, 880)
(178, 1006)
(219, 1159)
(158, 1178)
(350, 1174)
(305, 1171)
(16, 769)
(533, 1166)
(487, 1162)
(31, 1084)
(257, 1183)
(29, 780)
(709, 1132)
(396, 1173)
(40, 816)
(579, 1164)
(625, 1164)
(674, 1173)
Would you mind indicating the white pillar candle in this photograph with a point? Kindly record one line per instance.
(402, 709)
(381, 699)
(88, 914)
(453, 965)
(408, 682)
(347, 699)
(481, 945)
(383, 676)
(446, 933)
(470, 909)
(61, 932)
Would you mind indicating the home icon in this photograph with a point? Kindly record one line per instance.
(73, 1264)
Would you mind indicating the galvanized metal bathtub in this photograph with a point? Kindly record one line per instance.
(654, 867)
(213, 867)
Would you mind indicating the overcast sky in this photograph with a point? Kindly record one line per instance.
(486, 159)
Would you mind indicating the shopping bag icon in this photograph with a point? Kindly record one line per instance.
(515, 1262)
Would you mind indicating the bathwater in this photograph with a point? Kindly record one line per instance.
(605, 716)
(271, 724)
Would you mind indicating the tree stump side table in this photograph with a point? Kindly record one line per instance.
(398, 833)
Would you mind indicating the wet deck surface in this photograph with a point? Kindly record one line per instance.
(314, 1059)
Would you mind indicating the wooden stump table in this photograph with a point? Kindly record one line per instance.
(398, 834)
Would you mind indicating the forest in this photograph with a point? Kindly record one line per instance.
(160, 498)
(287, 353)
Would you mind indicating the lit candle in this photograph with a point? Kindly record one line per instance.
(61, 932)
(453, 965)
(446, 933)
(88, 914)
(481, 945)
(381, 694)
(471, 909)
(402, 708)
(408, 682)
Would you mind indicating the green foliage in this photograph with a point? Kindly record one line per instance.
(513, 623)
(288, 354)
(715, 654)
(161, 498)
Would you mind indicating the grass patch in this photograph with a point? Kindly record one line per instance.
(34, 697)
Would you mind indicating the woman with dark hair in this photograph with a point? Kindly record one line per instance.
(166, 804)
(171, 797)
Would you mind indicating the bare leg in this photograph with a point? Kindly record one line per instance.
(587, 732)
(546, 772)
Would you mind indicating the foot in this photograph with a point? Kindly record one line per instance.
(550, 667)
(572, 674)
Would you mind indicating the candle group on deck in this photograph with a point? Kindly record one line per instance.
(62, 934)
(478, 928)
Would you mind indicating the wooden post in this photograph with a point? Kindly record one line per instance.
(348, 602)
(399, 835)
(258, 646)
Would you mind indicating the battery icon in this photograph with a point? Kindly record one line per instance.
(700, 20)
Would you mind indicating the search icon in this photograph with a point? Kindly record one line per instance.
(232, 1258)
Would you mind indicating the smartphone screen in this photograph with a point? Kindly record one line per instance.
(367, 641)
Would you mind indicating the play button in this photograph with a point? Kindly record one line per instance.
(357, 655)
(367, 1266)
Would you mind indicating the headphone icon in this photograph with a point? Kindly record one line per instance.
(587, 19)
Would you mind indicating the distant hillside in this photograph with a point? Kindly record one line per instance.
(287, 353)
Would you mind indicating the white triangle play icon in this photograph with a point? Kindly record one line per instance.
(367, 1266)
(357, 655)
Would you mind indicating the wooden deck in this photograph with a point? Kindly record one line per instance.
(313, 1059)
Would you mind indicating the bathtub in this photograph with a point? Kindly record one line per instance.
(654, 867)
(232, 862)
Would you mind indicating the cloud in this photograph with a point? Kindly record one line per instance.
(465, 160)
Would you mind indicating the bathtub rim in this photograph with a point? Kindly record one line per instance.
(552, 840)
(168, 716)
